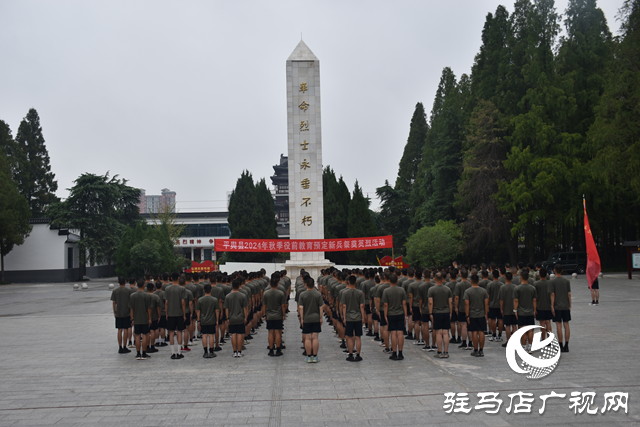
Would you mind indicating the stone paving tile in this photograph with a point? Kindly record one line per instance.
(85, 382)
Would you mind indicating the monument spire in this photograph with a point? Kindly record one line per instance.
(304, 138)
(302, 53)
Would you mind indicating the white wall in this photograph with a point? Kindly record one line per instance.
(42, 250)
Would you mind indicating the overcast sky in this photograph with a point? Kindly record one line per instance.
(186, 94)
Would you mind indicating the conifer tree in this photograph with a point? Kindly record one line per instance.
(360, 223)
(35, 180)
(14, 210)
(412, 155)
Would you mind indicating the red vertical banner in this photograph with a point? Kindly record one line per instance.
(593, 261)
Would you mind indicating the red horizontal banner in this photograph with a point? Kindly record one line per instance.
(302, 245)
(398, 262)
(205, 267)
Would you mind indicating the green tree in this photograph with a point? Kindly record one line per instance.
(335, 203)
(485, 150)
(489, 74)
(360, 224)
(266, 210)
(251, 216)
(435, 245)
(14, 212)
(394, 216)
(613, 140)
(13, 155)
(100, 208)
(167, 217)
(412, 155)
(146, 255)
(584, 56)
(34, 178)
(433, 196)
(132, 262)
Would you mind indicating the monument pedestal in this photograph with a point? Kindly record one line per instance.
(312, 267)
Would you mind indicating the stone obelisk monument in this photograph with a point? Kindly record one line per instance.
(304, 137)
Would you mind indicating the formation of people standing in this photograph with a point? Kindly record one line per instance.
(432, 308)
(178, 310)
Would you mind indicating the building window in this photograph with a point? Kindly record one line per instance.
(283, 215)
(206, 230)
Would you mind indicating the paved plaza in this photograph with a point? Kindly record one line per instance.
(60, 366)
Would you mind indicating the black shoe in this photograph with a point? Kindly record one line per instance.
(565, 348)
(393, 356)
(271, 353)
(279, 353)
(145, 356)
(248, 337)
(504, 345)
(475, 353)
(370, 334)
(180, 356)
(283, 347)
(152, 350)
(357, 358)
(163, 344)
(125, 350)
(480, 353)
(121, 351)
(138, 356)
(350, 358)
(345, 350)
(222, 341)
(304, 353)
(217, 348)
(174, 356)
(377, 338)
(206, 355)
(343, 345)
(463, 346)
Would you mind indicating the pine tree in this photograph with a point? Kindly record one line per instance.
(583, 58)
(613, 138)
(434, 193)
(489, 72)
(14, 210)
(485, 150)
(394, 214)
(35, 180)
(360, 223)
(267, 216)
(244, 218)
(101, 208)
(336, 209)
(412, 155)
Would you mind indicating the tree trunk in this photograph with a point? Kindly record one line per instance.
(82, 255)
(513, 252)
(2, 262)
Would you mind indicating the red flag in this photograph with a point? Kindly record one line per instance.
(593, 261)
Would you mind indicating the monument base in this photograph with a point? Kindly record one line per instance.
(312, 267)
